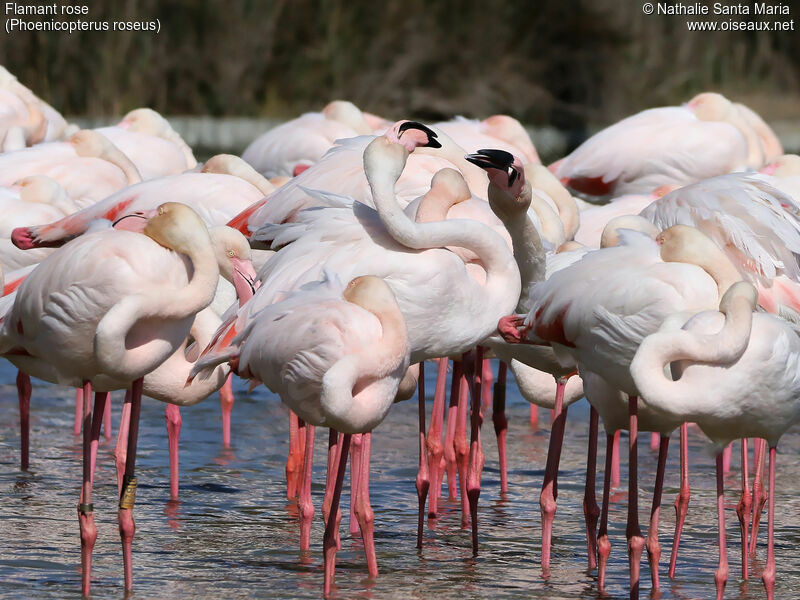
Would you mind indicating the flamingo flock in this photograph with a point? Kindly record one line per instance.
(653, 271)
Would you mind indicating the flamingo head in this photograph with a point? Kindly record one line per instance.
(503, 168)
(370, 292)
(233, 256)
(413, 135)
(177, 227)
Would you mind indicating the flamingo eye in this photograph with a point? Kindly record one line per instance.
(160, 210)
(231, 253)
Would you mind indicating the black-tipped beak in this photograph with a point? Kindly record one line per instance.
(250, 282)
(501, 160)
(432, 143)
(137, 215)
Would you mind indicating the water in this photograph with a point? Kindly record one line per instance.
(234, 535)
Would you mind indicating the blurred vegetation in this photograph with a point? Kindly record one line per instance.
(562, 62)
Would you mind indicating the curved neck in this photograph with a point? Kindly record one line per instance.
(565, 203)
(227, 164)
(166, 305)
(488, 245)
(552, 226)
(110, 153)
(387, 355)
(529, 253)
(680, 397)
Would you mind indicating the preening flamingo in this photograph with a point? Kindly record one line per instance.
(108, 308)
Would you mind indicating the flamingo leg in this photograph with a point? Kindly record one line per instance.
(590, 509)
(721, 574)
(364, 513)
(654, 440)
(476, 455)
(433, 441)
(549, 493)
(759, 493)
(534, 416)
(603, 544)
(120, 452)
(127, 527)
(652, 545)
(768, 575)
(76, 427)
(423, 478)
(174, 421)
(501, 423)
(743, 507)
(329, 540)
(462, 449)
(726, 458)
(107, 418)
(633, 532)
(356, 451)
(334, 448)
(305, 506)
(682, 501)
(450, 435)
(24, 396)
(226, 404)
(91, 437)
(294, 462)
(615, 479)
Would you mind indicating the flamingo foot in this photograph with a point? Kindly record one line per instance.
(512, 329)
(603, 552)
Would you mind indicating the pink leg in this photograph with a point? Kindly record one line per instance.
(24, 396)
(364, 514)
(434, 440)
(534, 416)
(356, 451)
(721, 575)
(603, 544)
(226, 404)
(127, 527)
(653, 547)
(294, 463)
(590, 509)
(501, 423)
(107, 418)
(743, 508)
(120, 452)
(174, 421)
(76, 428)
(476, 456)
(726, 458)
(450, 436)
(768, 576)
(654, 440)
(306, 507)
(615, 479)
(487, 380)
(462, 447)
(759, 493)
(329, 540)
(547, 498)
(682, 501)
(91, 436)
(423, 478)
(334, 448)
(632, 531)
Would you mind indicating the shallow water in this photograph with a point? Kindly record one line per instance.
(234, 535)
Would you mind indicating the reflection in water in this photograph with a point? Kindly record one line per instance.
(233, 533)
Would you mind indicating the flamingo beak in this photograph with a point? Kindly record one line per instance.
(135, 221)
(245, 279)
(501, 160)
(431, 143)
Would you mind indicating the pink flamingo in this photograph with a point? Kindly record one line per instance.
(755, 352)
(86, 314)
(336, 356)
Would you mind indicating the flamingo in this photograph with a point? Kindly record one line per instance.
(600, 308)
(290, 148)
(747, 366)
(669, 145)
(336, 355)
(87, 313)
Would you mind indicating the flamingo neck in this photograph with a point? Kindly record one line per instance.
(474, 176)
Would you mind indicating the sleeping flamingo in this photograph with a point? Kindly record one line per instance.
(85, 317)
(336, 356)
(746, 365)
